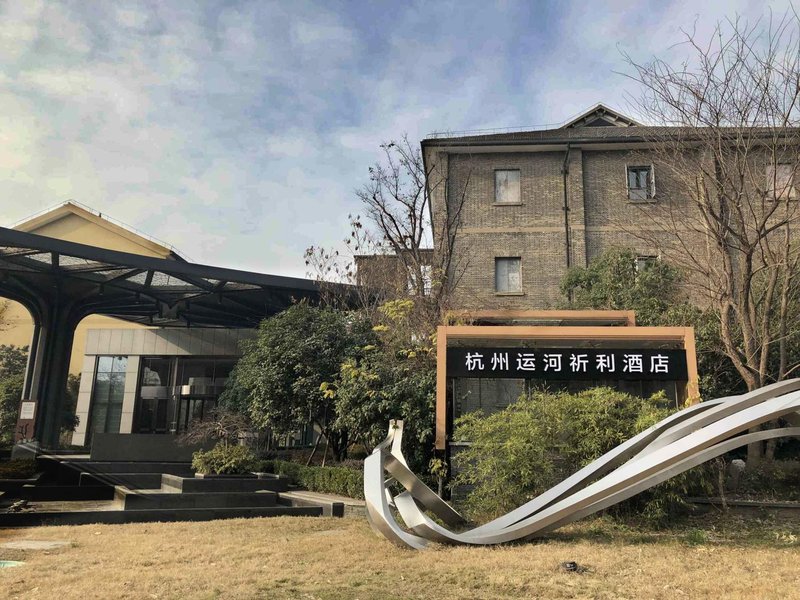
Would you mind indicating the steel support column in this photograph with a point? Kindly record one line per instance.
(51, 368)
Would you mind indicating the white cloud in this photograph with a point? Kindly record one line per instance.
(239, 131)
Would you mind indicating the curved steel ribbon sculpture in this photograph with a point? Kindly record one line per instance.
(678, 443)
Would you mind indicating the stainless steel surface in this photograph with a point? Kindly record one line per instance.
(668, 448)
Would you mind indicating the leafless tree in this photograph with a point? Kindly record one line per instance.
(394, 242)
(726, 210)
(223, 426)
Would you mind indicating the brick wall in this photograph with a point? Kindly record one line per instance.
(600, 216)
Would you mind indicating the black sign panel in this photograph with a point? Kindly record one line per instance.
(567, 364)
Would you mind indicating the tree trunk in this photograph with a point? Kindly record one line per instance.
(314, 451)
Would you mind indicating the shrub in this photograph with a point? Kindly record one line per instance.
(329, 480)
(771, 480)
(17, 469)
(224, 459)
(533, 444)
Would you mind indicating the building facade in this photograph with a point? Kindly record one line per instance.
(532, 204)
(149, 381)
(76, 223)
(165, 333)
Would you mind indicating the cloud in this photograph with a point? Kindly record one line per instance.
(238, 131)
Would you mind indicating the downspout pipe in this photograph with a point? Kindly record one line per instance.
(568, 242)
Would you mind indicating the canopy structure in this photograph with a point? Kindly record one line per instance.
(62, 282)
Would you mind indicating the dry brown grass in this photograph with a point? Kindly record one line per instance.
(341, 558)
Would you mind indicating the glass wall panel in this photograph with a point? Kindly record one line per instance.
(107, 394)
(155, 402)
(174, 391)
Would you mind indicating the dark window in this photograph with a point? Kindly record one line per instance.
(175, 391)
(641, 184)
(155, 395)
(108, 393)
(506, 187)
(507, 275)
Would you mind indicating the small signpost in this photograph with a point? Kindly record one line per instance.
(27, 410)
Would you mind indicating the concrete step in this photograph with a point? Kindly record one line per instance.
(329, 508)
(67, 472)
(66, 492)
(29, 519)
(138, 500)
(130, 480)
(275, 483)
(173, 468)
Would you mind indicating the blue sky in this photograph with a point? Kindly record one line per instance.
(238, 131)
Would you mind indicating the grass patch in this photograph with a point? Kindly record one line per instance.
(325, 559)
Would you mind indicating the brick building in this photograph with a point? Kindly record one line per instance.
(537, 202)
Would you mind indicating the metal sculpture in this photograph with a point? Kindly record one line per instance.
(678, 443)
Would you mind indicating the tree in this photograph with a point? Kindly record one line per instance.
(13, 360)
(398, 233)
(12, 372)
(394, 378)
(279, 378)
(613, 281)
(727, 215)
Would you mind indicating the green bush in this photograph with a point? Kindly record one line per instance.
(224, 459)
(17, 469)
(329, 480)
(533, 444)
(778, 480)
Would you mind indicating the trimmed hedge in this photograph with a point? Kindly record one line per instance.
(17, 469)
(328, 480)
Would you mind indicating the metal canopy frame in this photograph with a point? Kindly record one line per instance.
(62, 282)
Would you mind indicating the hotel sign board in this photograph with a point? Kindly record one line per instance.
(567, 364)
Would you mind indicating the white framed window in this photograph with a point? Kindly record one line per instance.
(506, 186)
(645, 261)
(508, 275)
(427, 279)
(641, 182)
(780, 181)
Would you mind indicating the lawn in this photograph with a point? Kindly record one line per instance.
(341, 558)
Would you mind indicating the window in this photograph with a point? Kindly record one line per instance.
(427, 280)
(644, 262)
(507, 275)
(780, 181)
(641, 183)
(109, 390)
(506, 187)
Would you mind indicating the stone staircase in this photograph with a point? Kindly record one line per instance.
(80, 491)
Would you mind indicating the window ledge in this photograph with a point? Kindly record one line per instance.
(509, 293)
(508, 204)
(648, 201)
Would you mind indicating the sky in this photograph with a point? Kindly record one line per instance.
(238, 131)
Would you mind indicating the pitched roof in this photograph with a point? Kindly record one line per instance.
(599, 124)
(600, 116)
(632, 134)
(149, 245)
